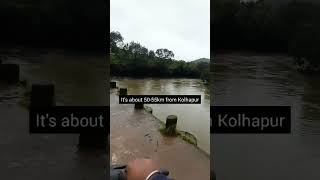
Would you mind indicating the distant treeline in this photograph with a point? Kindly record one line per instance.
(292, 27)
(133, 59)
(54, 23)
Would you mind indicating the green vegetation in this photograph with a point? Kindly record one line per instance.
(188, 137)
(133, 59)
(291, 27)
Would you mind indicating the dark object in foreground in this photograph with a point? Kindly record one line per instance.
(118, 172)
(9, 73)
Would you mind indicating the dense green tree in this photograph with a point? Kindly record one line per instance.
(115, 39)
(152, 54)
(133, 59)
(164, 53)
(137, 49)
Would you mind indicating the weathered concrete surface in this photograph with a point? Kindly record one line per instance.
(135, 134)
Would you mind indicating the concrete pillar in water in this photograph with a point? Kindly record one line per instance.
(171, 124)
(42, 95)
(9, 73)
(123, 91)
(113, 84)
(138, 106)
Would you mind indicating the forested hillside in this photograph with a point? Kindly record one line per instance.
(133, 59)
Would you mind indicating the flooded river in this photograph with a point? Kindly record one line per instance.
(267, 80)
(79, 80)
(194, 119)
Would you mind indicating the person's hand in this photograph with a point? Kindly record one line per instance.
(139, 169)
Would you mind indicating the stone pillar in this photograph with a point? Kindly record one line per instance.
(123, 91)
(138, 106)
(171, 124)
(42, 95)
(10, 73)
(113, 84)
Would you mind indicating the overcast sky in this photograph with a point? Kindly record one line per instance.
(182, 26)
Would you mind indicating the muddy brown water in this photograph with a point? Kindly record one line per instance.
(194, 118)
(270, 80)
(79, 80)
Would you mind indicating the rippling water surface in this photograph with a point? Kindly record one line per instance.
(267, 80)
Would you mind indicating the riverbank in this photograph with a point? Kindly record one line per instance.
(135, 133)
